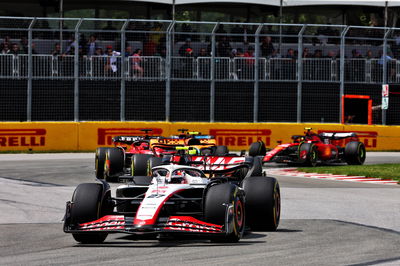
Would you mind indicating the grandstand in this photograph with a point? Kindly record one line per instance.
(68, 69)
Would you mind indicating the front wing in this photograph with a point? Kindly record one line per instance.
(172, 225)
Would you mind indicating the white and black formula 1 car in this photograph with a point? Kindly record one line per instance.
(176, 199)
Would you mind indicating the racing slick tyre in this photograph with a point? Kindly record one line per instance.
(88, 206)
(308, 154)
(114, 164)
(221, 150)
(263, 203)
(217, 198)
(257, 148)
(139, 164)
(153, 162)
(100, 161)
(354, 153)
(255, 170)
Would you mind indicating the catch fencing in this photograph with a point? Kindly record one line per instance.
(128, 70)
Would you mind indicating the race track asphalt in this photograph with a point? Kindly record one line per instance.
(323, 222)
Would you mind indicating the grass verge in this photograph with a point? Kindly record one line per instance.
(384, 171)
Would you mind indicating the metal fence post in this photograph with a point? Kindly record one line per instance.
(212, 74)
(342, 64)
(30, 74)
(256, 74)
(123, 70)
(385, 72)
(300, 72)
(168, 72)
(76, 72)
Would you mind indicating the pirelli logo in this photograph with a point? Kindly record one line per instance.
(241, 137)
(369, 138)
(22, 137)
(105, 135)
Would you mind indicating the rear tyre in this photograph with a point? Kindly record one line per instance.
(221, 150)
(114, 164)
(308, 154)
(215, 207)
(257, 149)
(153, 162)
(263, 203)
(88, 206)
(100, 161)
(139, 164)
(354, 153)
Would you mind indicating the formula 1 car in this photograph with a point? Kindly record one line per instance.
(175, 200)
(311, 148)
(131, 154)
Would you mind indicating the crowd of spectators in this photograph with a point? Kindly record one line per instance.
(238, 45)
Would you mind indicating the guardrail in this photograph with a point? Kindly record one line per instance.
(226, 69)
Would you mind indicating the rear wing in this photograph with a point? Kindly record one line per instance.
(337, 135)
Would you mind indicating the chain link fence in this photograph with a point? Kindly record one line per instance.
(153, 70)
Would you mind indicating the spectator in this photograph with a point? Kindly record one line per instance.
(57, 50)
(306, 53)
(331, 55)
(291, 54)
(318, 53)
(99, 52)
(6, 48)
(34, 48)
(224, 48)
(128, 51)
(233, 53)
(136, 63)
(369, 55)
(356, 53)
(267, 48)
(92, 45)
(149, 47)
(24, 45)
(111, 60)
(15, 49)
(71, 45)
(186, 45)
(203, 53)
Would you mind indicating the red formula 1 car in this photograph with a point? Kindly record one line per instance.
(311, 149)
(175, 200)
(131, 154)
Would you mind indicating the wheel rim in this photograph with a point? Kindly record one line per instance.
(239, 214)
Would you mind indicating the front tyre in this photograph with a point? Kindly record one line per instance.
(308, 154)
(88, 205)
(217, 198)
(100, 161)
(354, 153)
(263, 203)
